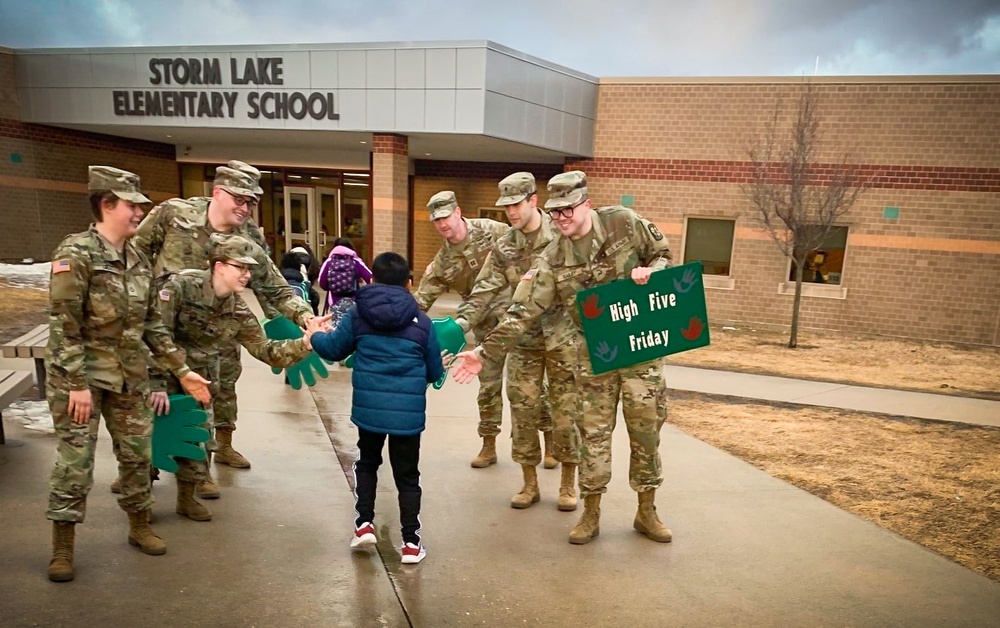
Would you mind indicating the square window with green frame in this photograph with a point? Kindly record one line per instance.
(825, 264)
(710, 241)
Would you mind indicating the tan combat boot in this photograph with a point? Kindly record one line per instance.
(226, 454)
(63, 537)
(567, 488)
(188, 506)
(488, 454)
(142, 536)
(208, 489)
(550, 461)
(589, 525)
(646, 520)
(529, 492)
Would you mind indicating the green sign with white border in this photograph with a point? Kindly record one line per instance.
(627, 324)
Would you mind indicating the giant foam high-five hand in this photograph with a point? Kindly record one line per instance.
(178, 434)
(305, 369)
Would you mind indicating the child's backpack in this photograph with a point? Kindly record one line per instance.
(301, 289)
(341, 276)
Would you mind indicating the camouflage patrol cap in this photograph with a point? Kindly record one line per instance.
(442, 205)
(124, 184)
(246, 168)
(566, 190)
(516, 188)
(232, 180)
(232, 246)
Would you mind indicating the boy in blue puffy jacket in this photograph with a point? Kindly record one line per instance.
(396, 355)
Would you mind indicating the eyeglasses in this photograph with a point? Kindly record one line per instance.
(563, 212)
(244, 270)
(241, 200)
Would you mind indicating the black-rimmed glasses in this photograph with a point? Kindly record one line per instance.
(241, 200)
(563, 212)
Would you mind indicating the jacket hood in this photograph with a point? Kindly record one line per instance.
(292, 274)
(343, 250)
(386, 307)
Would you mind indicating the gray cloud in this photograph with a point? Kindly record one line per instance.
(599, 37)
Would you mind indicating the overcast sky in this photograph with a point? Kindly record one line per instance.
(598, 37)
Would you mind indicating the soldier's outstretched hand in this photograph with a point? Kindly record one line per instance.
(467, 366)
(197, 386)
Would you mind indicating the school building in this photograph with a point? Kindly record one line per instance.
(354, 138)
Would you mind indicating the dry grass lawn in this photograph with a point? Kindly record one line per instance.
(934, 483)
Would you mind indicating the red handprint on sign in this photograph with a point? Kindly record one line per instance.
(694, 329)
(590, 308)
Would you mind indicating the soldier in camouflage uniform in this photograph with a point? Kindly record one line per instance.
(103, 323)
(205, 313)
(455, 267)
(594, 247)
(175, 235)
(530, 361)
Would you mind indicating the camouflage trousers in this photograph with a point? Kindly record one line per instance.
(643, 393)
(490, 396)
(224, 401)
(129, 420)
(542, 395)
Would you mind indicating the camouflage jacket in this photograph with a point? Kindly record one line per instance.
(202, 324)
(102, 317)
(175, 235)
(455, 267)
(510, 258)
(622, 240)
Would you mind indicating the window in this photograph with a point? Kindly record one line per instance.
(826, 263)
(710, 241)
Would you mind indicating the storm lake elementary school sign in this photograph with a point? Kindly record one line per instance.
(167, 73)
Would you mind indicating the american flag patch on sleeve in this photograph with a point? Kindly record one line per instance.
(164, 295)
(60, 266)
(528, 275)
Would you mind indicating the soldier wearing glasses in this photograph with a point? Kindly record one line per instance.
(594, 247)
(175, 236)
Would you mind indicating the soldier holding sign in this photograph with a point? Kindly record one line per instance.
(595, 246)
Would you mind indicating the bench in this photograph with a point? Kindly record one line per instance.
(31, 345)
(12, 386)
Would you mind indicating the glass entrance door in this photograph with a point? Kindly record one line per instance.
(328, 200)
(301, 220)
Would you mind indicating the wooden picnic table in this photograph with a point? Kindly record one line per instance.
(31, 345)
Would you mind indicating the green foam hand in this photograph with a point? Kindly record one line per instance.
(305, 369)
(450, 336)
(178, 434)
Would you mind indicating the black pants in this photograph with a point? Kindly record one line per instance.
(404, 456)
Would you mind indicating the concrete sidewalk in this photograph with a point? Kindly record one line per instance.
(748, 550)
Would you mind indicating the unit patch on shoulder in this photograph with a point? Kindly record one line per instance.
(528, 275)
(164, 295)
(653, 231)
(60, 266)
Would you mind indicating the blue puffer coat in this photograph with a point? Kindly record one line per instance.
(396, 354)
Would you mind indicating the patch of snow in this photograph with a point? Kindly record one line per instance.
(26, 275)
(34, 415)
(729, 329)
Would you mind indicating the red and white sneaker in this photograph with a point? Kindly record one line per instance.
(364, 537)
(412, 554)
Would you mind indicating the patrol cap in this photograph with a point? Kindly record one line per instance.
(232, 246)
(232, 180)
(124, 184)
(442, 205)
(515, 188)
(246, 168)
(566, 190)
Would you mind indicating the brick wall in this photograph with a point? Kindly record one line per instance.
(930, 147)
(43, 175)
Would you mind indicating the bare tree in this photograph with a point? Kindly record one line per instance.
(796, 199)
